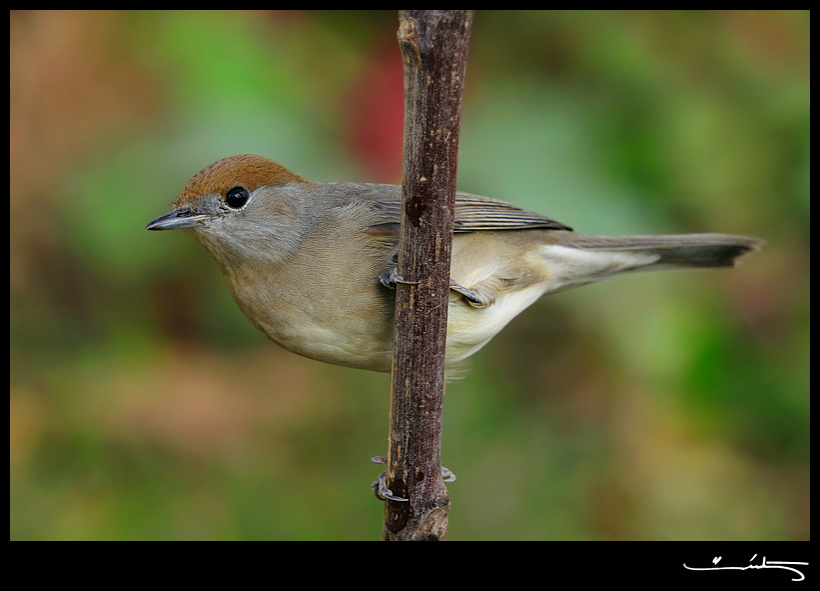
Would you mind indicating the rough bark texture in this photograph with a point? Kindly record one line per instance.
(434, 49)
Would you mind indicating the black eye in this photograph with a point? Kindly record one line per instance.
(237, 197)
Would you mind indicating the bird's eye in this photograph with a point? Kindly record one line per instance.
(237, 197)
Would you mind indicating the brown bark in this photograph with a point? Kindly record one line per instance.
(434, 50)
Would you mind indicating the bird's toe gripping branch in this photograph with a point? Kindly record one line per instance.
(383, 492)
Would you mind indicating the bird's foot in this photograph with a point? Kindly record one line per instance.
(383, 492)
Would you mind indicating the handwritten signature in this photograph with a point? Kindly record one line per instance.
(764, 564)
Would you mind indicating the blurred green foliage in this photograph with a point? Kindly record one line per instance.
(666, 406)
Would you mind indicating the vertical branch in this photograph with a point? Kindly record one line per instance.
(434, 50)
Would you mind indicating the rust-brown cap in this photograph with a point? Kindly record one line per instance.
(246, 170)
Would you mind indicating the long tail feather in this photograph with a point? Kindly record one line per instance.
(675, 250)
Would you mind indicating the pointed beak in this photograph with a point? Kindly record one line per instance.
(176, 219)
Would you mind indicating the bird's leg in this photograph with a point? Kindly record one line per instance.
(392, 277)
(472, 297)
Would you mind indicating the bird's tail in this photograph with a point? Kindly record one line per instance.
(578, 259)
(674, 251)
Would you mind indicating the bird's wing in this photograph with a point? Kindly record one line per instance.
(473, 214)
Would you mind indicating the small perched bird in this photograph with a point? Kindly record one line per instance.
(310, 264)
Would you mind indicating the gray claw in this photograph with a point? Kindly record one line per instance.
(381, 491)
(473, 297)
(392, 278)
(379, 487)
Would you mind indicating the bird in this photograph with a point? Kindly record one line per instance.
(312, 264)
